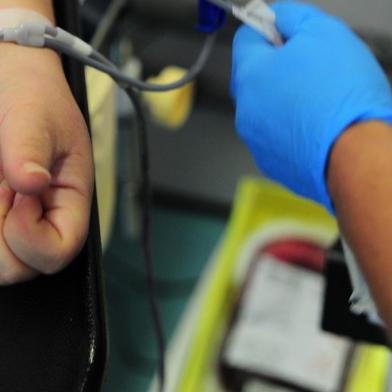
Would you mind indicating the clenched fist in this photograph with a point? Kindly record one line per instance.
(46, 169)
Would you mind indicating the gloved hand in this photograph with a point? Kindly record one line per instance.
(293, 102)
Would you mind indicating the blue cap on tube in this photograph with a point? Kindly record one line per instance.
(211, 17)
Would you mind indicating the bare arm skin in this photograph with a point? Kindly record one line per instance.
(360, 183)
(46, 171)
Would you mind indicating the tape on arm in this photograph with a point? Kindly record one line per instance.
(23, 26)
(14, 17)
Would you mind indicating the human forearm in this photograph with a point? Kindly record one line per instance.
(360, 184)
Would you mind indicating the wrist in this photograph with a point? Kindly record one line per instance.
(14, 14)
(15, 59)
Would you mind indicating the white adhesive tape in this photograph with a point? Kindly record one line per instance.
(14, 17)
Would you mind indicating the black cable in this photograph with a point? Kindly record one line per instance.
(106, 23)
(146, 197)
(142, 132)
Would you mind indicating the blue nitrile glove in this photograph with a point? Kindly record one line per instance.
(293, 102)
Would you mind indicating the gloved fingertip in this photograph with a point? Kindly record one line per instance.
(291, 15)
(246, 37)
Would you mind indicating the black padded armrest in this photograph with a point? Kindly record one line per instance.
(53, 330)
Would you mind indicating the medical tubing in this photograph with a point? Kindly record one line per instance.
(117, 75)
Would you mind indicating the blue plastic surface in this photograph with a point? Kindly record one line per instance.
(211, 17)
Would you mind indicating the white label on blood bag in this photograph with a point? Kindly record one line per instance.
(278, 330)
